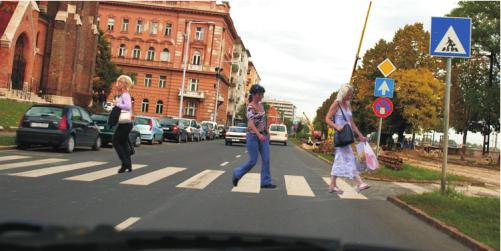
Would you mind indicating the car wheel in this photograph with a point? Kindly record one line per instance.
(97, 144)
(137, 142)
(70, 144)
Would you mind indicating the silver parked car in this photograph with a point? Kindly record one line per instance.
(149, 128)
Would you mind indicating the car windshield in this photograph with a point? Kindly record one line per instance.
(185, 123)
(237, 129)
(142, 121)
(277, 128)
(169, 121)
(99, 117)
(45, 111)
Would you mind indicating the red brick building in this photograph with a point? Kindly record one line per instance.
(48, 48)
(148, 40)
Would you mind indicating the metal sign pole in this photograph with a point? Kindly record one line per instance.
(379, 135)
(446, 124)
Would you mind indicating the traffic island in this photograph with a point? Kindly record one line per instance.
(472, 221)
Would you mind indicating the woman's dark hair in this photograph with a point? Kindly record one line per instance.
(255, 89)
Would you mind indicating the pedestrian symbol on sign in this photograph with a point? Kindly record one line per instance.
(450, 42)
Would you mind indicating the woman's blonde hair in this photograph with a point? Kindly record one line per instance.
(343, 91)
(127, 80)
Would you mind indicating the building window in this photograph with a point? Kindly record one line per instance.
(190, 109)
(121, 50)
(164, 56)
(136, 52)
(162, 81)
(125, 24)
(147, 80)
(197, 58)
(160, 107)
(144, 105)
(139, 26)
(154, 28)
(111, 23)
(151, 54)
(193, 85)
(168, 29)
(199, 34)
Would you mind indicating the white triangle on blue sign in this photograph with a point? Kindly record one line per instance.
(450, 43)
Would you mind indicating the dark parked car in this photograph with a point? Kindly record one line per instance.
(173, 129)
(209, 134)
(107, 131)
(59, 126)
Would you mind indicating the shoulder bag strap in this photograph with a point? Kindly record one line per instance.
(342, 111)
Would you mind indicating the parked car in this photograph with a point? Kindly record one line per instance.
(204, 132)
(236, 134)
(211, 133)
(59, 126)
(213, 130)
(174, 129)
(193, 129)
(106, 131)
(149, 128)
(278, 133)
(108, 106)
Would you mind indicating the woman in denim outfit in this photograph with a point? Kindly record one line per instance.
(258, 141)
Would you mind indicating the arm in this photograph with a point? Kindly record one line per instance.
(125, 102)
(328, 117)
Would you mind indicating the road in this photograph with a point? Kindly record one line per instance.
(188, 187)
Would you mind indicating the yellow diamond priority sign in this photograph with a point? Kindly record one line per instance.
(386, 67)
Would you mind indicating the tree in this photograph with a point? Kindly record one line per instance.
(319, 121)
(242, 112)
(106, 72)
(485, 39)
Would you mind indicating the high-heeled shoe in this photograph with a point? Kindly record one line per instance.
(129, 169)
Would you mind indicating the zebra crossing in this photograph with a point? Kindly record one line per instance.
(295, 185)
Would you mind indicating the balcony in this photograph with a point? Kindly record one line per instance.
(193, 67)
(141, 62)
(192, 94)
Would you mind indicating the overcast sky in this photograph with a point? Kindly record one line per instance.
(304, 50)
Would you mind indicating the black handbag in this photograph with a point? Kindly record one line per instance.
(114, 116)
(344, 137)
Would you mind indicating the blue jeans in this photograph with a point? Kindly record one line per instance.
(254, 147)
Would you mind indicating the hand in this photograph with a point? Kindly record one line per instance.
(362, 138)
(261, 137)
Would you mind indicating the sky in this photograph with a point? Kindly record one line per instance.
(305, 50)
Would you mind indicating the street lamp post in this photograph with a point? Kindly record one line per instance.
(185, 62)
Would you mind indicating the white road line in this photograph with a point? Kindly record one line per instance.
(30, 163)
(238, 156)
(126, 223)
(101, 174)
(154, 176)
(250, 183)
(201, 180)
(349, 191)
(297, 186)
(224, 163)
(57, 169)
(13, 157)
(412, 187)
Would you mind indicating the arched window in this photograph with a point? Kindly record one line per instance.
(151, 54)
(121, 50)
(144, 105)
(136, 52)
(164, 56)
(197, 58)
(160, 107)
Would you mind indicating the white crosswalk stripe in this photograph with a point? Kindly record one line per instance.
(249, 183)
(30, 163)
(13, 157)
(349, 191)
(57, 169)
(126, 223)
(297, 186)
(154, 176)
(412, 187)
(201, 180)
(101, 174)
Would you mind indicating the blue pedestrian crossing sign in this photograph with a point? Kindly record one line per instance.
(384, 87)
(450, 37)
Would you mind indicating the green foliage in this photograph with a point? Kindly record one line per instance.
(11, 112)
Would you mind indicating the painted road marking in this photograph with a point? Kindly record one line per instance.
(126, 223)
(224, 163)
(30, 163)
(57, 169)
(249, 183)
(201, 180)
(154, 176)
(101, 174)
(349, 191)
(297, 186)
(13, 157)
(238, 156)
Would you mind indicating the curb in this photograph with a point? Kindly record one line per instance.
(8, 147)
(389, 180)
(451, 231)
